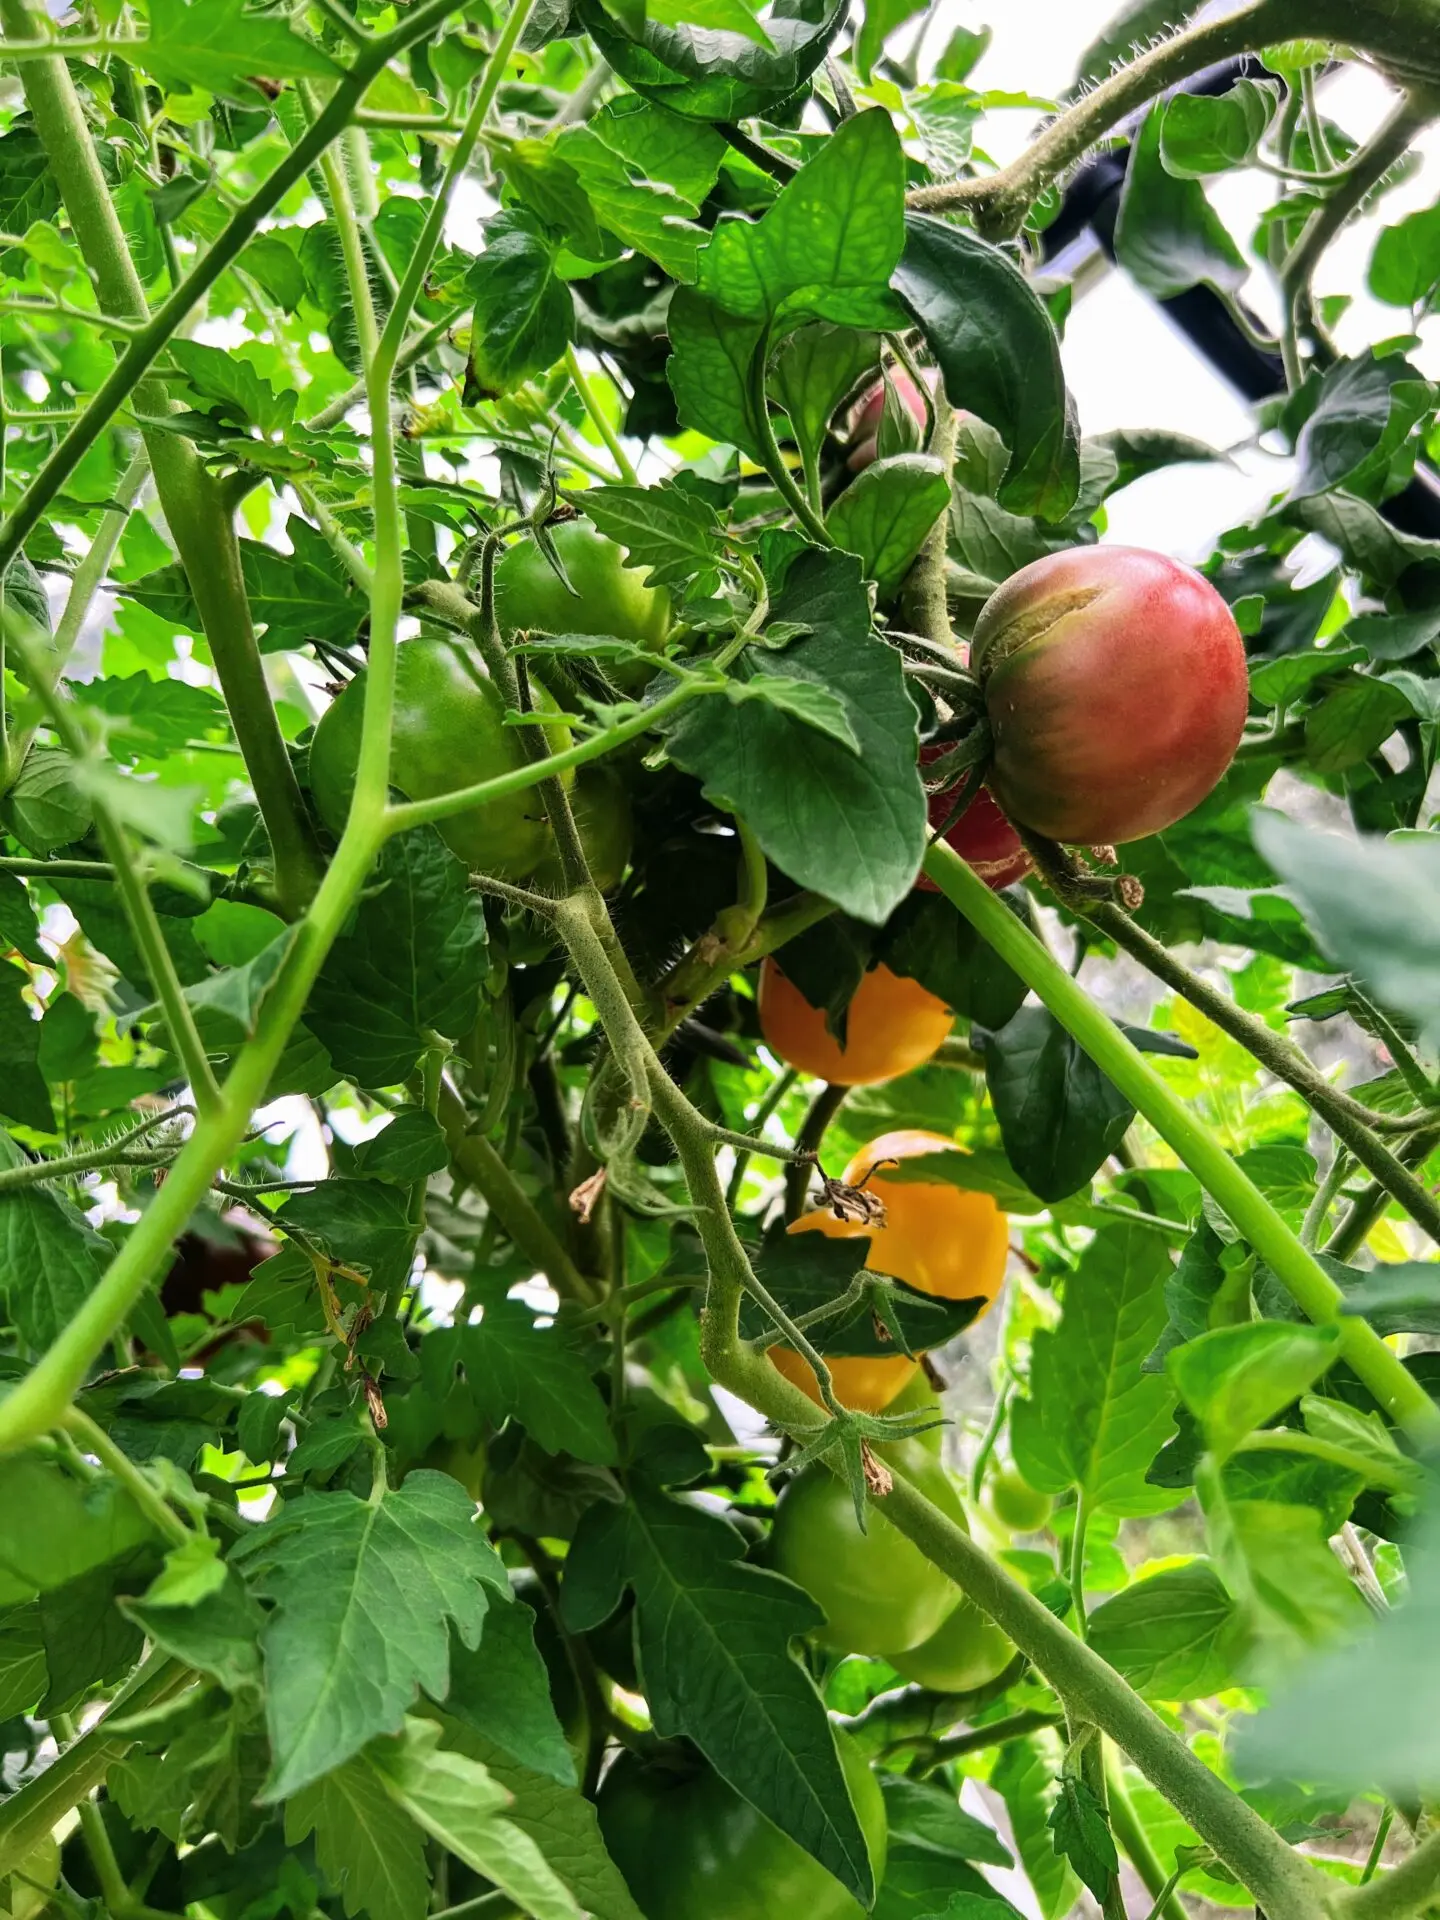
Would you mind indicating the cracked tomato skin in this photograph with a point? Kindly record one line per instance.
(449, 733)
(894, 1025)
(1116, 688)
(690, 1848)
(878, 1592)
(937, 1238)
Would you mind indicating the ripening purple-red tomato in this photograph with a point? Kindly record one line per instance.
(865, 419)
(1115, 684)
(982, 835)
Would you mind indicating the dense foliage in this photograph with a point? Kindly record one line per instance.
(496, 508)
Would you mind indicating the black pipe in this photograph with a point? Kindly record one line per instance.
(1092, 203)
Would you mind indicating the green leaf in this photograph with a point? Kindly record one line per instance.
(29, 190)
(851, 826)
(882, 18)
(672, 533)
(501, 1689)
(219, 1635)
(926, 940)
(923, 1885)
(1081, 1830)
(827, 247)
(45, 809)
(524, 314)
(1210, 133)
(921, 1814)
(886, 512)
(50, 1259)
(365, 1841)
(54, 1529)
(562, 1823)
(998, 353)
(1138, 451)
(818, 367)
(410, 1147)
(1405, 266)
(660, 145)
(1060, 1117)
(517, 1370)
(713, 1638)
(23, 1678)
(454, 1800)
(1026, 1776)
(296, 597)
(1093, 1419)
(709, 370)
(1293, 1593)
(1173, 1636)
(233, 386)
(362, 1592)
(191, 1573)
(1367, 1713)
(1168, 236)
(1235, 1379)
(713, 74)
(412, 960)
(814, 706)
(1360, 413)
(24, 1095)
(19, 927)
(1403, 1298)
(1374, 906)
(361, 1224)
(648, 215)
(221, 46)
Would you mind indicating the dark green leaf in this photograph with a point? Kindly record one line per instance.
(713, 1637)
(23, 1678)
(407, 1148)
(1081, 1828)
(502, 1690)
(1093, 1418)
(24, 1095)
(53, 1529)
(524, 314)
(19, 927)
(1362, 412)
(850, 826)
(885, 514)
(412, 960)
(1168, 236)
(710, 370)
(672, 533)
(45, 809)
(1405, 266)
(364, 1225)
(928, 1816)
(998, 353)
(817, 368)
(221, 46)
(50, 1259)
(1210, 133)
(535, 1375)
(1025, 1777)
(362, 1593)
(805, 1272)
(1173, 1635)
(926, 940)
(1060, 1117)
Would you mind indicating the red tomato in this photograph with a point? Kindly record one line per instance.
(982, 835)
(1115, 684)
(865, 420)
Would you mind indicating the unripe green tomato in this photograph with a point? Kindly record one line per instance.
(1015, 1503)
(691, 1849)
(609, 598)
(463, 1460)
(918, 1396)
(968, 1651)
(449, 732)
(600, 803)
(1116, 688)
(878, 1592)
(35, 1875)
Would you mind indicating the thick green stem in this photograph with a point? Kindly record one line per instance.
(1293, 1265)
(1405, 1889)
(30, 1814)
(190, 498)
(1411, 113)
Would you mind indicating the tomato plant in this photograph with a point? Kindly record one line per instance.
(648, 960)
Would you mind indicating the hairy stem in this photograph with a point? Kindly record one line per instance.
(190, 498)
(1403, 1890)
(1000, 201)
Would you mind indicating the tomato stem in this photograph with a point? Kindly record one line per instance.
(1294, 1266)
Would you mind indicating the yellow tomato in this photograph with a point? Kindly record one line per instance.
(893, 1026)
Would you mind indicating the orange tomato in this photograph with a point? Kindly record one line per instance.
(937, 1238)
(894, 1025)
